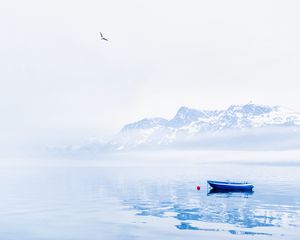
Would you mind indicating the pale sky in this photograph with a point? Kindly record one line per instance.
(61, 83)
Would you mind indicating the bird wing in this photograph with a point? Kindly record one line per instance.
(101, 34)
(104, 39)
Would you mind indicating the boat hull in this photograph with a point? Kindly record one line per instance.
(230, 186)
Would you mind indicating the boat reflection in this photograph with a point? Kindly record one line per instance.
(227, 194)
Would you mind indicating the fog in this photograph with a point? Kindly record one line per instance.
(60, 84)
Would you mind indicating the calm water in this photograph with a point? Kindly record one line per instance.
(148, 203)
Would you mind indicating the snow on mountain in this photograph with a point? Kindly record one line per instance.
(190, 123)
(186, 116)
(145, 124)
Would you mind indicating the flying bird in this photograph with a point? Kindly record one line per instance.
(103, 38)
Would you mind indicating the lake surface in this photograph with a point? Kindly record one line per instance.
(148, 202)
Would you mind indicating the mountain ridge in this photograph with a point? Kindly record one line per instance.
(234, 112)
(238, 127)
(189, 123)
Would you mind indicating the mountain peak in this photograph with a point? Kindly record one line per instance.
(145, 123)
(250, 109)
(185, 116)
(183, 111)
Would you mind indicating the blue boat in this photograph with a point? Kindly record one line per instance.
(230, 186)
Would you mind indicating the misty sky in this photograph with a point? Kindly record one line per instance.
(60, 83)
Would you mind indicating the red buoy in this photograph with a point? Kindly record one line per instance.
(198, 187)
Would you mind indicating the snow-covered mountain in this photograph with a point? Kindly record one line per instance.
(191, 125)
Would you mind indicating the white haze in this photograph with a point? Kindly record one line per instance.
(163, 159)
(60, 84)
